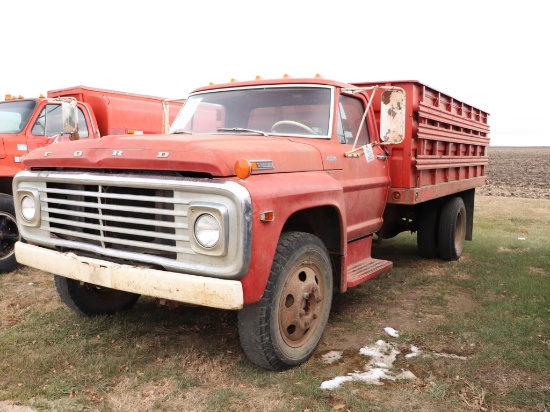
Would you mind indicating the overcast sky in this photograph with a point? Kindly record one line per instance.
(492, 55)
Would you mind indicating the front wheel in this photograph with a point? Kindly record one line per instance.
(284, 328)
(9, 234)
(91, 300)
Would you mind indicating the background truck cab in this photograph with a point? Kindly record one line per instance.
(27, 124)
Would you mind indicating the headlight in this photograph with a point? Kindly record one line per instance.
(28, 208)
(207, 230)
(27, 203)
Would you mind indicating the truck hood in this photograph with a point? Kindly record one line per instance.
(212, 154)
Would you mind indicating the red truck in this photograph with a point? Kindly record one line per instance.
(26, 124)
(265, 197)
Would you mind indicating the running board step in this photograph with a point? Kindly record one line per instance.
(366, 269)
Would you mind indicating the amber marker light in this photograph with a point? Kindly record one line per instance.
(267, 216)
(243, 168)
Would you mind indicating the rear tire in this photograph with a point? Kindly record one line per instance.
(9, 234)
(91, 300)
(452, 229)
(427, 231)
(283, 329)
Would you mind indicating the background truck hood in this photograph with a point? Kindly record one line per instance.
(212, 154)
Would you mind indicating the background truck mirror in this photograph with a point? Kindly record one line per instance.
(392, 116)
(70, 116)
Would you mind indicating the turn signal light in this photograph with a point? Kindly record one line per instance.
(243, 168)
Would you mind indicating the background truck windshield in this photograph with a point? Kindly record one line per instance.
(15, 114)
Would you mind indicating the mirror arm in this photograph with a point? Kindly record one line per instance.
(369, 102)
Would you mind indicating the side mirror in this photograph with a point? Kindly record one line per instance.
(392, 116)
(69, 114)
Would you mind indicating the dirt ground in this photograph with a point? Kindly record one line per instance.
(512, 172)
(518, 172)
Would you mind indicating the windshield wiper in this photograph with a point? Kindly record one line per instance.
(241, 129)
(181, 131)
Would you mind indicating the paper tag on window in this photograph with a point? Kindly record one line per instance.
(369, 153)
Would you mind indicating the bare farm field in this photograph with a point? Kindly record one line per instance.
(518, 172)
(428, 335)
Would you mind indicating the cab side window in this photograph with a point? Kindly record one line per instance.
(49, 122)
(350, 113)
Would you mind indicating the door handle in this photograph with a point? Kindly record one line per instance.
(381, 157)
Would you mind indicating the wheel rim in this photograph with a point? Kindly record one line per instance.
(460, 230)
(301, 304)
(8, 235)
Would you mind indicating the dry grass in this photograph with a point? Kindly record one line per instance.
(489, 311)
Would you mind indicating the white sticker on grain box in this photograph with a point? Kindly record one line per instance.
(369, 153)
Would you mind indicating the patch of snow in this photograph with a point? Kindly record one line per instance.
(414, 352)
(335, 382)
(382, 356)
(332, 356)
(392, 332)
(450, 356)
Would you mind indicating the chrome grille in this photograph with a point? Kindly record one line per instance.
(138, 219)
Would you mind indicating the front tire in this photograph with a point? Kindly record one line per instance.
(283, 329)
(91, 300)
(452, 229)
(9, 234)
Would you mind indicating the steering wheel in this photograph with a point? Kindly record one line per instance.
(292, 123)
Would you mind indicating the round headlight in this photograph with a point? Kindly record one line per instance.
(207, 230)
(28, 208)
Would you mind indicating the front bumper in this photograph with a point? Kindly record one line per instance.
(191, 289)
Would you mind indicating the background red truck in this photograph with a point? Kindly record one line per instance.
(265, 198)
(26, 124)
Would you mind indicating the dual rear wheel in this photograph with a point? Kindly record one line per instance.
(442, 229)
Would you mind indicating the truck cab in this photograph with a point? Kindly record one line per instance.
(26, 124)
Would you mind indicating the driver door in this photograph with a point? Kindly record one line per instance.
(364, 175)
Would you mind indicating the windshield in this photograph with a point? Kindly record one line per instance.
(15, 114)
(289, 110)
